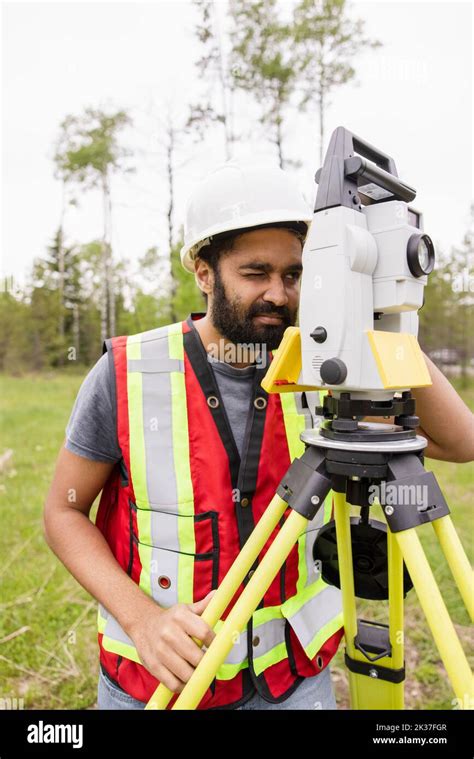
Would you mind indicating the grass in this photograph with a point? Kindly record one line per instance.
(53, 662)
(48, 649)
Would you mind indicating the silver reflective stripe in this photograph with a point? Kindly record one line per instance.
(271, 634)
(155, 366)
(313, 398)
(158, 427)
(165, 564)
(238, 652)
(165, 528)
(315, 614)
(318, 520)
(115, 632)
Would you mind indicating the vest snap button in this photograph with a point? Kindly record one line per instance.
(164, 582)
(251, 573)
(213, 401)
(244, 502)
(260, 403)
(320, 662)
(256, 641)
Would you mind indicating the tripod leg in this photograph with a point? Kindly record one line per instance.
(396, 621)
(368, 692)
(234, 577)
(241, 612)
(457, 560)
(437, 616)
(344, 552)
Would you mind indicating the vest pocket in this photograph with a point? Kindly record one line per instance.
(314, 614)
(178, 553)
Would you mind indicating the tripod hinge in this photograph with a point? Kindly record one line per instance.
(306, 484)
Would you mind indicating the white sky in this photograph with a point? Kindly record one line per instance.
(413, 100)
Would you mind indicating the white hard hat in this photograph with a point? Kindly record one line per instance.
(237, 196)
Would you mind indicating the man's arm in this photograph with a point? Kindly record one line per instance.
(163, 637)
(445, 420)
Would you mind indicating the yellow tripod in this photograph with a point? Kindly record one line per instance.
(374, 653)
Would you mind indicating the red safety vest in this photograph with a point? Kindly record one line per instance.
(182, 503)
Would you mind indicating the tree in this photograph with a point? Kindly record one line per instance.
(88, 153)
(462, 286)
(326, 42)
(216, 105)
(262, 61)
(446, 320)
(187, 296)
(59, 268)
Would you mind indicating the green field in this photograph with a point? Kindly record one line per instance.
(48, 650)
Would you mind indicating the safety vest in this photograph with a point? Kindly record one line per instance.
(182, 503)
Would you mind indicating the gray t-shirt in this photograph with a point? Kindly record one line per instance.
(91, 431)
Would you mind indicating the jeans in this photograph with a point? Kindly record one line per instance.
(313, 693)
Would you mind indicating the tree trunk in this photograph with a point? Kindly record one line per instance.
(169, 167)
(108, 288)
(278, 136)
(111, 278)
(322, 106)
(105, 270)
(61, 267)
(76, 329)
(228, 136)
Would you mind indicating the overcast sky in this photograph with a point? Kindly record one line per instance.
(413, 99)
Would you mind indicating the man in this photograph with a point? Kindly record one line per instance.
(174, 427)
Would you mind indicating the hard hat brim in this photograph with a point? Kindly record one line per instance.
(247, 223)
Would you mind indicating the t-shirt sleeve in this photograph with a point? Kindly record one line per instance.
(92, 431)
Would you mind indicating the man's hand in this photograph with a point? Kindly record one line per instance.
(164, 642)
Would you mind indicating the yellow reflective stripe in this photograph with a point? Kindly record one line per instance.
(275, 655)
(101, 621)
(229, 671)
(122, 649)
(294, 604)
(278, 652)
(181, 457)
(135, 421)
(260, 616)
(323, 635)
(138, 459)
(175, 341)
(294, 425)
(302, 569)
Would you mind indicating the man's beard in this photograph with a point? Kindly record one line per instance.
(238, 326)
